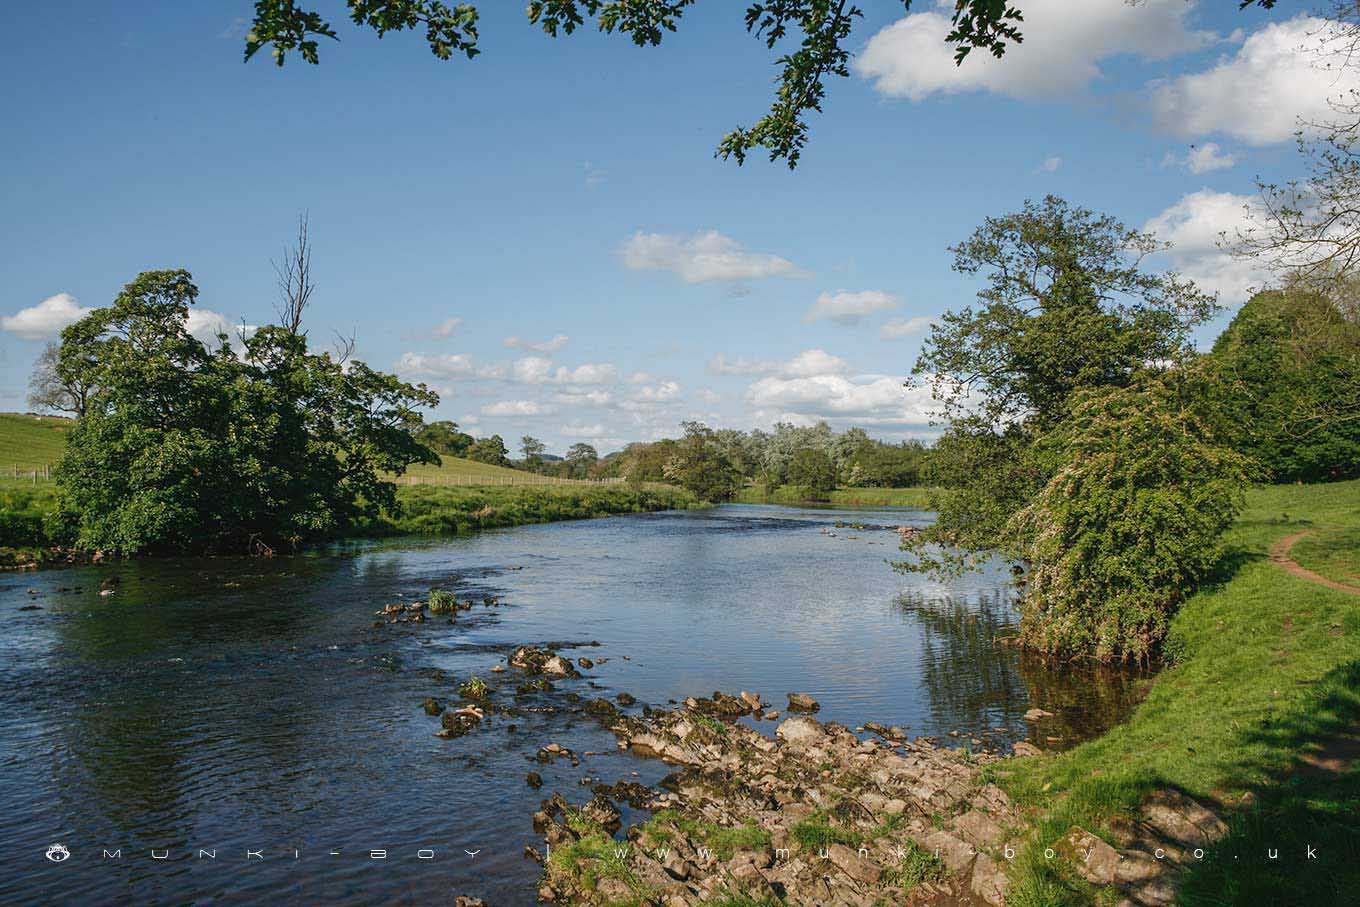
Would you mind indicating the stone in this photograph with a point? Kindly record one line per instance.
(431, 706)
(1183, 819)
(977, 828)
(852, 864)
(988, 881)
(1024, 750)
(956, 854)
(1094, 859)
(1037, 714)
(462, 901)
(801, 702)
(799, 731)
(557, 666)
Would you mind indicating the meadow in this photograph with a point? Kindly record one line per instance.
(918, 498)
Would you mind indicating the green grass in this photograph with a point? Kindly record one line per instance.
(1266, 664)
(918, 865)
(30, 442)
(865, 497)
(723, 840)
(1333, 553)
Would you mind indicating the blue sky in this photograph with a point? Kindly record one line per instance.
(543, 233)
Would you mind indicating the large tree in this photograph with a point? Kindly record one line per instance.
(812, 38)
(183, 448)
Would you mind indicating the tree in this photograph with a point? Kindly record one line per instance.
(1066, 307)
(820, 28)
(533, 450)
(186, 449)
(581, 457)
(1280, 397)
(702, 465)
(48, 390)
(812, 468)
(444, 437)
(490, 450)
(1130, 522)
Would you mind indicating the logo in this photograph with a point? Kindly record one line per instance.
(58, 852)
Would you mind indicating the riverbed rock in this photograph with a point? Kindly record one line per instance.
(431, 706)
(1093, 859)
(1024, 750)
(1037, 714)
(534, 780)
(464, 901)
(801, 702)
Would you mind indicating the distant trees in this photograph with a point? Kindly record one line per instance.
(444, 437)
(812, 468)
(533, 450)
(703, 465)
(182, 448)
(581, 459)
(48, 390)
(490, 450)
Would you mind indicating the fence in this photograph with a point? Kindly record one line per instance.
(43, 472)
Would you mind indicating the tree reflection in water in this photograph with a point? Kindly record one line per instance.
(981, 683)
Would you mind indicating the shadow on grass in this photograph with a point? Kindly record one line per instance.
(1233, 560)
(1312, 803)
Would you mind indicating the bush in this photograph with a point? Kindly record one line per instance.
(1129, 525)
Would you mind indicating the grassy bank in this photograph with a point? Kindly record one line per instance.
(864, 497)
(1266, 666)
(431, 510)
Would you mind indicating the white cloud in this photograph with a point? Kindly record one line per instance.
(539, 370)
(844, 307)
(546, 346)
(1064, 43)
(1049, 165)
(420, 365)
(1194, 226)
(707, 255)
(1201, 159)
(577, 397)
(206, 325)
(513, 408)
(46, 319)
(709, 396)
(1282, 76)
(905, 327)
(872, 399)
(663, 392)
(808, 362)
(582, 431)
(445, 328)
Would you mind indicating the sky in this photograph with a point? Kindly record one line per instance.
(544, 235)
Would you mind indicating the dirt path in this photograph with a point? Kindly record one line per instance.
(1279, 556)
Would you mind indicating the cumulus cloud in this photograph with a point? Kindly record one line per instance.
(539, 370)
(705, 256)
(207, 326)
(1202, 159)
(1063, 47)
(1194, 226)
(808, 362)
(1049, 165)
(580, 397)
(844, 307)
(595, 430)
(46, 319)
(663, 392)
(512, 408)
(545, 346)
(1282, 76)
(905, 327)
(870, 399)
(419, 365)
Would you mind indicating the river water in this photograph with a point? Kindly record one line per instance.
(251, 709)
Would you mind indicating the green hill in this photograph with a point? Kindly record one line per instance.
(30, 442)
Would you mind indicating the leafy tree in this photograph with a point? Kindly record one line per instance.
(444, 437)
(887, 466)
(581, 457)
(702, 465)
(1066, 307)
(821, 30)
(812, 468)
(186, 449)
(1283, 368)
(1130, 522)
(490, 450)
(49, 391)
(533, 450)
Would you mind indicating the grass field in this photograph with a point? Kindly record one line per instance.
(864, 497)
(1267, 666)
(30, 442)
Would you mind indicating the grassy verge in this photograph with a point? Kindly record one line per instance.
(1265, 665)
(864, 497)
(1333, 553)
(431, 510)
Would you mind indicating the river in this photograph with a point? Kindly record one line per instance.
(251, 709)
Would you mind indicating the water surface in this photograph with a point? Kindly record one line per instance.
(251, 707)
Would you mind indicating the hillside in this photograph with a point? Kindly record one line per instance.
(30, 442)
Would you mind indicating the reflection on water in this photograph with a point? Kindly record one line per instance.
(244, 706)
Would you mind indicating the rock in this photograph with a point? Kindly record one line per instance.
(459, 722)
(800, 732)
(801, 702)
(977, 828)
(534, 780)
(110, 583)
(431, 706)
(988, 881)
(626, 699)
(1095, 860)
(602, 709)
(956, 854)
(1024, 750)
(1037, 714)
(462, 901)
(557, 666)
(1182, 819)
(853, 865)
(585, 663)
